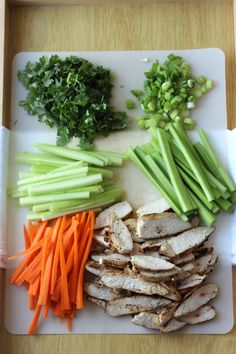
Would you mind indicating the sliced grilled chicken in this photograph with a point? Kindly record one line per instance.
(121, 280)
(111, 259)
(136, 249)
(100, 292)
(204, 264)
(131, 225)
(151, 263)
(195, 221)
(202, 251)
(122, 210)
(189, 267)
(160, 225)
(184, 259)
(156, 206)
(203, 314)
(172, 325)
(101, 240)
(198, 298)
(98, 302)
(96, 268)
(158, 276)
(190, 282)
(134, 304)
(120, 236)
(186, 241)
(153, 245)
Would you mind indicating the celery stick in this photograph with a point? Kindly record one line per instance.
(92, 189)
(69, 166)
(56, 206)
(72, 154)
(103, 158)
(30, 158)
(106, 174)
(215, 160)
(27, 174)
(38, 208)
(206, 216)
(50, 176)
(42, 199)
(38, 168)
(173, 173)
(110, 154)
(135, 159)
(193, 164)
(224, 204)
(65, 185)
(202, 152)
(198, 191)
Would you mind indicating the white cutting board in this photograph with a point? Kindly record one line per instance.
(128, 68)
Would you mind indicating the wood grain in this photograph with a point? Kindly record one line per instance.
(123, 27)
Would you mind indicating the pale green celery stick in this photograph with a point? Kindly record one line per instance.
(38, 168)
(39, 208)
(233, 198)
(27, 174)
(72, 154)
(65, 185)
(202, 152)
(56, 206)
(51, 176)
(148, 148)
(107, 174)
(226, 195)
(70, 166)
(224, 204)
(30, 158)
(135, 159)
(114, 159)
(173, 173)
(92, 189)
(193, 164)
(109, 154)
(48, 198)
(215, 160)
(207, 217)
(15, 193)
(25, 188)
(101, 157)
(198, 191)
(99, 201)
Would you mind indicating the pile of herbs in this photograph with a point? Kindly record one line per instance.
(73, 95)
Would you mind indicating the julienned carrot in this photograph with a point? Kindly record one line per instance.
(79, 295)
(53, 265)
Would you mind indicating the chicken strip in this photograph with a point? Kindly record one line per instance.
(120, 236)
(122, 210)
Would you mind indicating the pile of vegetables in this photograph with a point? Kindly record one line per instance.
(170, 93)
(53, 266)
(189, 176)
(73, 95)
(64, 181)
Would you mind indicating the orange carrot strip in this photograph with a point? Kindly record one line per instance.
(34, 322)
(26, 238)
(79, 294)
(29, 257)
(27, 251)
(65, 301)
(46, 309)
(28, 270)
(32, 304)
(34, 287)
(74, 275)
(43, 297)
(47, 237)
(56, 257)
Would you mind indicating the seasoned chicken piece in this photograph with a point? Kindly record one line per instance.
(203, 314)
(96, 268)
(189, 267)
(101, 240)
(152, 320)
(160, 225)
(121, 280)
(156, 206)
(122, 210)
(131, 226)
(198, 298)
(202, 251)
(135, 248)
(151, 263)
(111, 259)
(190, 282)
(195, 221)
(172, 325)
(187, 258)
(98, 302)
(173, 274)
(120, 236)
(153, 245)
(158, 276)
(134, 304)
(203, 263)
(186, 241)
(100, 292)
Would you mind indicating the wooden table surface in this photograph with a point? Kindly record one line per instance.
(177, 25)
